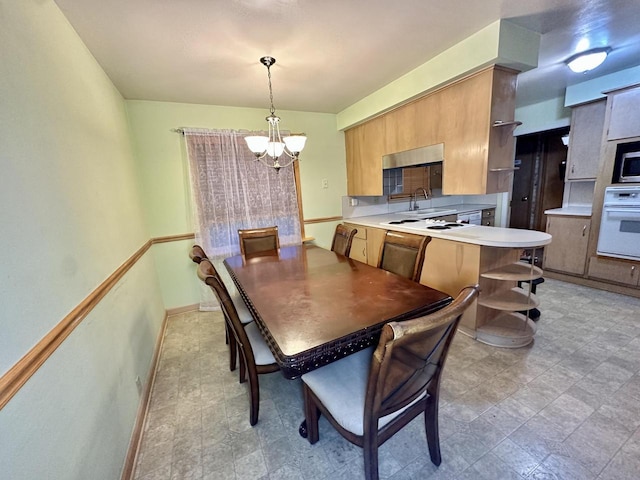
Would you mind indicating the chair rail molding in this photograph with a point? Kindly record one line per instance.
(13, 380)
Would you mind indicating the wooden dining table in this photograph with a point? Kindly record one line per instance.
(314, 306)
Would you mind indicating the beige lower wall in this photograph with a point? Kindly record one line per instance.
(71, 214)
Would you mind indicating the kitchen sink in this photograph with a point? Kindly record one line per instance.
(429, 211)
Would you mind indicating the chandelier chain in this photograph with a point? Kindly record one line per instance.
(273, 110)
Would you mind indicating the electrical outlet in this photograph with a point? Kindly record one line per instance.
(139, 384)
(325, 183)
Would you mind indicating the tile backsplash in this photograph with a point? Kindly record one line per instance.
(392, 181)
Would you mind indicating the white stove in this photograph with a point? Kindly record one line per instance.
(428, 224)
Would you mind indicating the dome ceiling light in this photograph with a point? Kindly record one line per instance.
(585, 61)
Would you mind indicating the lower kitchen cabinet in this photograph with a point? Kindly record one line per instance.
(618, 271)
(359, 243)
(375, 238)
(366, 244)
(567, 252)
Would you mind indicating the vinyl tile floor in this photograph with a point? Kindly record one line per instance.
(566, 407)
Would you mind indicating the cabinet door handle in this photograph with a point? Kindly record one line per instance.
(572, 169)
(584, 230)
(633, 270)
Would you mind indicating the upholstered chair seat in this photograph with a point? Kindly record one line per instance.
(261, 352)
(342, 388)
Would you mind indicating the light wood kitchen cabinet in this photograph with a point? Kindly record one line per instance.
(624, 121)
(366, 244)
(365, 147)
(480, 147)
(585, 137)
(567, 252)
(375, 238)
(359, 244)
(618, 271)
(478, 156)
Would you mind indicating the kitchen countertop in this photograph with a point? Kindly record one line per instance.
(574, 211)
(476, 234)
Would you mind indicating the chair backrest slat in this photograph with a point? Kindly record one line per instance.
(259, 240)
(410, 356)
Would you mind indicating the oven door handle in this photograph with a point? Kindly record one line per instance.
(622, 210)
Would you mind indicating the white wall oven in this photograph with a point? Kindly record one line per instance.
(620, 224)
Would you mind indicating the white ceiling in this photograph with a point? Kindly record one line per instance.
(330, 53)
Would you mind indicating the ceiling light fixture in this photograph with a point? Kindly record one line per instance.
(584, 61)
(273, 145)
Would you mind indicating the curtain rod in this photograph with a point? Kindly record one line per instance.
(204, 131)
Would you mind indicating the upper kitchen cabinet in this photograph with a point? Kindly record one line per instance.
(472, 117)
(478, 133)
(585, 137)
(365, 146)
(624, 121)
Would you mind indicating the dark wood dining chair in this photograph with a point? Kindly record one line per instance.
(403, 254)
(259, 240)
(342, 239)
(255, 356)
(197, 254)
(370, 395)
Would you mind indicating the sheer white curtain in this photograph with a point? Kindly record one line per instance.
(231, 190)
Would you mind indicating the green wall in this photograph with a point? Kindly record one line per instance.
(594, 88)
(542, 116)
(162, 166)
(500, 42)
(71, 214)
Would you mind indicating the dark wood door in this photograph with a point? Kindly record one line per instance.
(537, 183)
(523, 182)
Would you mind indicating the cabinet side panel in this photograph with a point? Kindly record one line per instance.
(449, 267)
(501, 140)
(375, 237)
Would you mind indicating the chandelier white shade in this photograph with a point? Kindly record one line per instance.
(585, 61)
(269, 149)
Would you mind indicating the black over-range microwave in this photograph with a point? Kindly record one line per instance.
(627, 165)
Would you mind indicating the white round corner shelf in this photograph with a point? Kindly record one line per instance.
(518, 271)
(509, 330)
(516, 299)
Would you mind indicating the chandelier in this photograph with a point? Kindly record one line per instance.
(269, 149)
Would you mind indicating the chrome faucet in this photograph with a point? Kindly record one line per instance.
(415, 198)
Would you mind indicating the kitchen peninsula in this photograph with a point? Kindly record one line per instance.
(464, 255)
